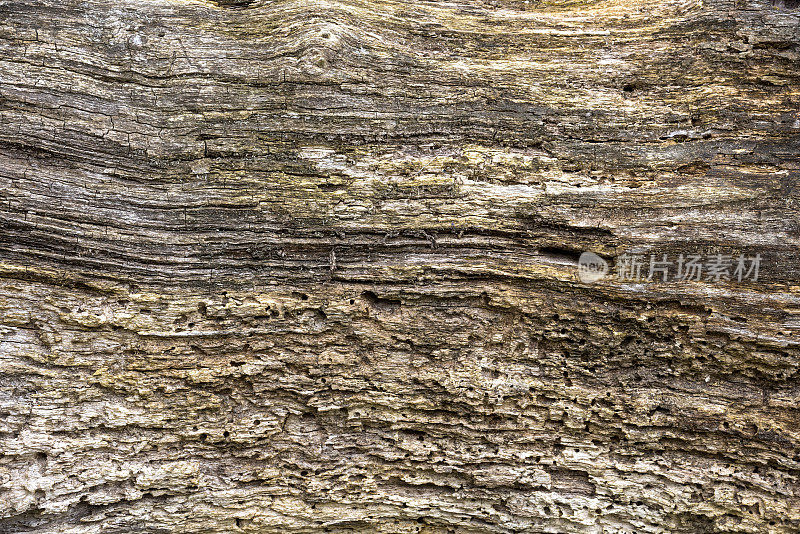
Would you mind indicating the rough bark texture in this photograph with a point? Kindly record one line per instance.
(289, 266)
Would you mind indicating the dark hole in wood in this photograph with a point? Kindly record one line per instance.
(560, 254)
(234, 3)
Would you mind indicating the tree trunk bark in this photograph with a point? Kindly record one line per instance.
(287, 266)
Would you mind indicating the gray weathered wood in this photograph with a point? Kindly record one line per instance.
(288, 266)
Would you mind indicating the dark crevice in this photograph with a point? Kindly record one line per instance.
(380, 303)
(560, 255)
(233, 3)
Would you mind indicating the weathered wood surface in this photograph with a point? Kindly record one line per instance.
(288, 266)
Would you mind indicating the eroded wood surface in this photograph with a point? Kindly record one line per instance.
(311, 266)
